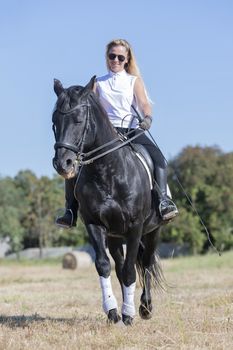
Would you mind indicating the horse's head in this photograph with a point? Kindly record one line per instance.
(70, 124)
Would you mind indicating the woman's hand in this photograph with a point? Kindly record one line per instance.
(146, 122)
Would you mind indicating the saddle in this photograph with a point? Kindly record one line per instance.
(144, 156)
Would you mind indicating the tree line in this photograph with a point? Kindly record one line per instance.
(201, 183)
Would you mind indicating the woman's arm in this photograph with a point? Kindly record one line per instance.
(95, 87)
(142, 99)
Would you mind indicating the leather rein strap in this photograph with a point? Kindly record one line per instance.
(122, 144)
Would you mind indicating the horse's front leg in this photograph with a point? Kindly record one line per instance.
(129, 275)
(115, 246)
(103, 267)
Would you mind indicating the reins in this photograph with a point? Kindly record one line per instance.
(122, 144)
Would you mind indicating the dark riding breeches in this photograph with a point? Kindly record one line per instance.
(160, 167)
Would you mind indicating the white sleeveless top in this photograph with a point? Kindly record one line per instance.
(116, 94)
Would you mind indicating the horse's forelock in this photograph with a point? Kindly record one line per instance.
(62, 100)
(69, 97)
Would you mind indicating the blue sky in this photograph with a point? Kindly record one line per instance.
(184, 49)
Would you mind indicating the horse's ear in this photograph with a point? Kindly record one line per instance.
(58, 88)
(91, 83)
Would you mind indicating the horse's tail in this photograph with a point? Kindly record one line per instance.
(158, 280)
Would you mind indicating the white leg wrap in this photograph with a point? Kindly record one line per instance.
(108, 299)
(128, 307)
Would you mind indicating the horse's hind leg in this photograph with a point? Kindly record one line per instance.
(145, 309)
(148, 271)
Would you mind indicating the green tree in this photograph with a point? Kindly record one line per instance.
(10, 214)
(28, 208)
(206, 176)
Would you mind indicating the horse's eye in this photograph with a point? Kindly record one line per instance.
(77, 120)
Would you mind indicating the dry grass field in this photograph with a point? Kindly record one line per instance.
(46, 307)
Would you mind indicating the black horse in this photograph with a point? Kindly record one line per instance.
(114, 196)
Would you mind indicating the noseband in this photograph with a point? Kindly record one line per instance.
(76, 149)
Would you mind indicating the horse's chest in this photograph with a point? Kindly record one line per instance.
(109, 203)
(104, 209)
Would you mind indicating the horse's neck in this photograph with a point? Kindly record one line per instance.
(103, 134)
(104, 129)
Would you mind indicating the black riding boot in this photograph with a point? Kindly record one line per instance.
(69, 219)
(167, 207)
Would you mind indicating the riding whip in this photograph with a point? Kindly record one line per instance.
(181, 186)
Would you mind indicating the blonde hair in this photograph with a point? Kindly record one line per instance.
(130, 67)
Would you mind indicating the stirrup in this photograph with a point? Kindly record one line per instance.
(63, 225)
(168, 203)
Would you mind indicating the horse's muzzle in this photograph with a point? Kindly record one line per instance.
(67, 168)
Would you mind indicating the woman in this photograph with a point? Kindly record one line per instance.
(121, 92)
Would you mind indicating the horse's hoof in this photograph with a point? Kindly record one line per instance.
(145, 312)
(128, 320)
(113, 316)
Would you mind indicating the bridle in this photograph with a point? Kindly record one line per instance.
(76, 149)
(79, 148)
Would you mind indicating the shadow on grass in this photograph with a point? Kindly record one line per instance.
(23, 321)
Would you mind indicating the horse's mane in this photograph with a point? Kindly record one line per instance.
(95, 102)
(94, 99)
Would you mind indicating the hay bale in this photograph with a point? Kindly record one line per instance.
(82, 258)
(76, 259)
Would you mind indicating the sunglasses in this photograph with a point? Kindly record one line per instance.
(112, 57)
